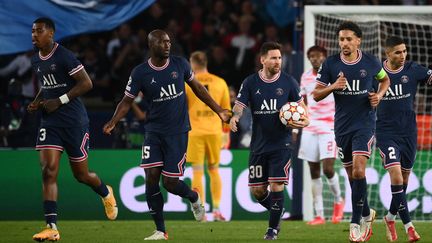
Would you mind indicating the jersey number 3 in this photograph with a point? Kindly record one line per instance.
(42, 134)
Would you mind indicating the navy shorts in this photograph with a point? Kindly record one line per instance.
(269, 167)
(75, 140)
(355, 143)
(397, 151)
(166, 151)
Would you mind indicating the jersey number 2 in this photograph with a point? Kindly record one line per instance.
(392, 153)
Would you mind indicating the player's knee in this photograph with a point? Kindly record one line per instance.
(315, 174)
(358, 173)
(169, 183)
(213, 169)
(49, 173)
(396, 179)
(81, 178)
(258, 192)
(328, 172)
(152, 176)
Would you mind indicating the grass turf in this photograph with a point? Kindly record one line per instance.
(190, 231)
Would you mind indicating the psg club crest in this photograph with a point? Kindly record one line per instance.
(174, 75)
(53, 67)
(279, 91)
(404, 79)
(363, 73)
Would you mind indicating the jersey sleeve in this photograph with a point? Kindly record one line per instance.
(72, 64)
(425, 74)
(243, 94)
(188, 73)
(295, 93)
(323, 76)
(133, 85)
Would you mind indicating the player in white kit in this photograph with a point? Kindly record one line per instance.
(318, 140)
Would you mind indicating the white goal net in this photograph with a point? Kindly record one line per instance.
(414, 25)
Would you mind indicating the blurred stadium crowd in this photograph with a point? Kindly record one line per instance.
(229, 31)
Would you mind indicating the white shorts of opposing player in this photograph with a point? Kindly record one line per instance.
(315, 147)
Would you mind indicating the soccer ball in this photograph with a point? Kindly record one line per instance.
(290, 112)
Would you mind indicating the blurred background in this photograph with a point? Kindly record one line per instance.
(110, 39)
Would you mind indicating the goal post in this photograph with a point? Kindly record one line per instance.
(414, 25)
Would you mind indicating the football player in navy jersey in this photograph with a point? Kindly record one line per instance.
(162, 81)
(265, 92)
(396, 137)
(350, 76)
(64, 123)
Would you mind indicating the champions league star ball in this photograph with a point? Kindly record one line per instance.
(290, 112)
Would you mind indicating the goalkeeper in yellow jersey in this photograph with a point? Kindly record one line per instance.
(208, 134)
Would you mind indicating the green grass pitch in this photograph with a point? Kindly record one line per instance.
(190, 231)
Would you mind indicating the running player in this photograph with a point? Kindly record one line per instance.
(64, 123)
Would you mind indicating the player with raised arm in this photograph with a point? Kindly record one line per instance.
(205, 138)
(350, 76)
(265, 92)
(162, 81)
(64, 123)
(396, 137)
(317, 143)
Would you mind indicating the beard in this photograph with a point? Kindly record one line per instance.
(274, 70)
(346, 52)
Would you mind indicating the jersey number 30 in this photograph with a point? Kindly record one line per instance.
(255, 171)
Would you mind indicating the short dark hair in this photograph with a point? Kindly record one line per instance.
(318, 49)
(268, 46)
(393, 41)
(349, 25)
(47, 21)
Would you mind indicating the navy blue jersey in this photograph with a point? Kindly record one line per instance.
(164, 91)
(265, 98)
(353, 110)
(55, 71)
(395, 113)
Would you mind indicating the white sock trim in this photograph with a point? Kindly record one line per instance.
(407, 225)
(390, 217)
